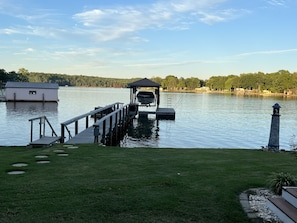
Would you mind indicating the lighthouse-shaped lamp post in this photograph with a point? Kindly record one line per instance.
(273, 144)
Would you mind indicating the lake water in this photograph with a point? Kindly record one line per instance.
(202, 120)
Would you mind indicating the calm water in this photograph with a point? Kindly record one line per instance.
(202, 120)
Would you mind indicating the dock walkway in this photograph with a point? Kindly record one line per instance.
(106, 129)
(84, 137)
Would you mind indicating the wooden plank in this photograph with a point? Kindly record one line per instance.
(45, 140)
(84, 137)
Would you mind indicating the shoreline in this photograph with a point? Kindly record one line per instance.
(236, 93)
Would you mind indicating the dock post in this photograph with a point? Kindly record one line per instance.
(31, 138)
(110, 131)
(96, 134)
(87, 122)
(76, 127)
(62, 133)
(103, 132)
(40, 127)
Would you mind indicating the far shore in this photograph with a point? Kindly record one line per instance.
(238, 92)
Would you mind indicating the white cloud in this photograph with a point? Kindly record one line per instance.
(277, 2)
(267, 52)
(109, 24)
(158, 64)
(29, 50)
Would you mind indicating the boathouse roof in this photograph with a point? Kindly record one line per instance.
(143, 83)
(37, 85)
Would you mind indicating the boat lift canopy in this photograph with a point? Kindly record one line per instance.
(143, 83)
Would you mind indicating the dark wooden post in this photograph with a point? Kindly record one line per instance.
(87, 121)
(96, 133)
(62, 133)
(110, 130)
(103, 132)
(31, 138)
(76, 127)
(40, 127)
(273, 144)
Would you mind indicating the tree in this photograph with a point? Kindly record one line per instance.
(216, 82)
(181, 83)
(157, 80)
(170, 82)
(192, 83)
(232, 82)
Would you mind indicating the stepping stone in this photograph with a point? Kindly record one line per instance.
(59, 151)
(41, 157)
(16, 172)
(19, 164)
(72, 147)
(43, 161)
(62, 154)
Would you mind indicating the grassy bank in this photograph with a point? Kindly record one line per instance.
(98, 184)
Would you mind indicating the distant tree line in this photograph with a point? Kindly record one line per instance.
(281, 81)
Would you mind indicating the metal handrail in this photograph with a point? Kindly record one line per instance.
(109, 117)
(86, 116)
(42, 121)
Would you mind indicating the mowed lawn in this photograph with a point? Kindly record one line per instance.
(109, 184)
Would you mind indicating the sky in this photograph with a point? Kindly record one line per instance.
(148, 38)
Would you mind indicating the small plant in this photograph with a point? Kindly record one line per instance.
(278, 180)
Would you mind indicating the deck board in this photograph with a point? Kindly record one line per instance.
(84, 137)
(45, 141)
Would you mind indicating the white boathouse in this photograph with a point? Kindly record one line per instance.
(31, 91)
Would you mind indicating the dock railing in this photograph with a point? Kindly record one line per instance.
(42, 124)
(112, 126)
(96, 113)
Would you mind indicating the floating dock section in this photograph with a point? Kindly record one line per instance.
(161, 113)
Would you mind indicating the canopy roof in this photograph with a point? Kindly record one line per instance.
(143, 83)
(37, 85)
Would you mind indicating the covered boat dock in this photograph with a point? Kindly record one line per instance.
(135, 88)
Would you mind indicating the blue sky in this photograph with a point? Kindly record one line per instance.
(148, 38)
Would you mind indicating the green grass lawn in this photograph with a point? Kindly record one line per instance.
(107, 184)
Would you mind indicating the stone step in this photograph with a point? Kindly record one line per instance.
(290, 194)
(283, 209)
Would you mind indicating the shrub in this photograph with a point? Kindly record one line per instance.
(278, 180)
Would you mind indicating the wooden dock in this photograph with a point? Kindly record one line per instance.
(106, 130)
(109, 125)
(84, 137)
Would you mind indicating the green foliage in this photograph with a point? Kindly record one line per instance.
(217, 83)
(11, 76)
(279, 180)
(279, 82)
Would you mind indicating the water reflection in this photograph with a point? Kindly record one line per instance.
(25, 107)
(144, 131)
